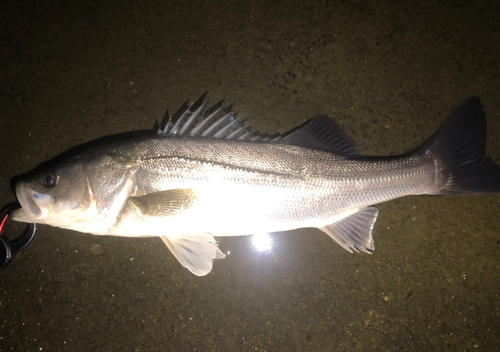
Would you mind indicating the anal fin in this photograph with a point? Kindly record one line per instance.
(196, 251)
(355, 231)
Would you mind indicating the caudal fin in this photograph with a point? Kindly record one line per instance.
(459, 146)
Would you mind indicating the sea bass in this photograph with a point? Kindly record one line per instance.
(207, 174)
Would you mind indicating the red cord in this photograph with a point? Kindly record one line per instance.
(3, 223)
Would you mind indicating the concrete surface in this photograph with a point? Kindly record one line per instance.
(388, 72)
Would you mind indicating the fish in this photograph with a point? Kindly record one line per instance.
(205, 174)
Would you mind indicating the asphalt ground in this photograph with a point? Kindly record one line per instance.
(388, 73)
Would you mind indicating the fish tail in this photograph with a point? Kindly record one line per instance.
(458, 147)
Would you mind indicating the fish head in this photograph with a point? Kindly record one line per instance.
(60, 192)
(80, 190)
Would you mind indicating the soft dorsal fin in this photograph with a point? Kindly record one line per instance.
(321, 133)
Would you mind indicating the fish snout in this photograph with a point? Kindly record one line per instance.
(29, 210)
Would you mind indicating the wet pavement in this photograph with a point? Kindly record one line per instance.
(389, 73)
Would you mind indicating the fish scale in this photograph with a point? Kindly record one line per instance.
(312, 182)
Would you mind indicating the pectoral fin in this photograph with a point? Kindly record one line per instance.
(196, 252)
(355, 231)
(163, 204)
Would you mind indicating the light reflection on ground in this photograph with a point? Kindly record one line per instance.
(262, 242)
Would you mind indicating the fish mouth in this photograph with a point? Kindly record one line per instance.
(29, 210)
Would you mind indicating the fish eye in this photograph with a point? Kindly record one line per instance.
(49, 180)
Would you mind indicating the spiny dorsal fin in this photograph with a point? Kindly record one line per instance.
(188, 119)
(219, 122)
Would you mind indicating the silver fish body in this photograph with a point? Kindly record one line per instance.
(245, 188)
(207, 176)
